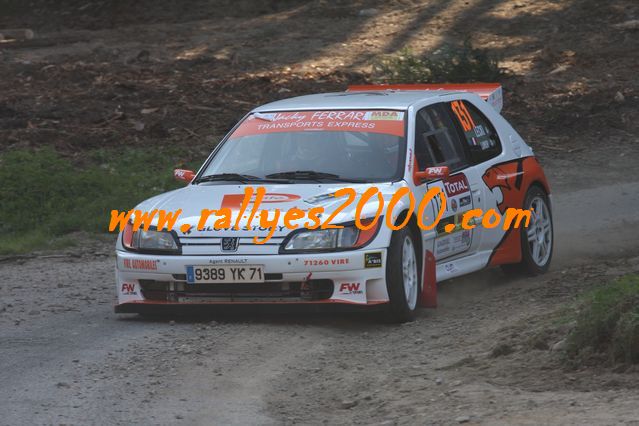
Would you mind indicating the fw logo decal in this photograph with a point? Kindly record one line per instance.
(128, 289)
(350, 288)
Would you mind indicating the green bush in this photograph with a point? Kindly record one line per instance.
(607, 322)
(625, 341)
(449, 64)
(44, 195)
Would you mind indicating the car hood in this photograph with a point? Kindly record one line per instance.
(192, 199)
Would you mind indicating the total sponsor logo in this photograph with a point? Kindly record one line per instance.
(141, 264)
(456, 185)
(128, 289)
(350, 288)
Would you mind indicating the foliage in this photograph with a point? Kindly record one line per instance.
(607, 322)
(450, 64)
(45, 195)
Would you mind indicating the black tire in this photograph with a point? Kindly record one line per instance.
(528, 265)
(399, 309)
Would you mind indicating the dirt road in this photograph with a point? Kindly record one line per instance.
(67, 359)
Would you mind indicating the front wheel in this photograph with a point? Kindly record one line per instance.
(402, 276)
(537, 239)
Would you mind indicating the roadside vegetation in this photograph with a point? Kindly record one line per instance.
(46, 196)
(449, 64)
(607, 324)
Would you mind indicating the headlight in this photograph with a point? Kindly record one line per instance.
(348, 237)
(150, 241)
(156, 240)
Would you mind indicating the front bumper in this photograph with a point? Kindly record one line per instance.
(151, 282)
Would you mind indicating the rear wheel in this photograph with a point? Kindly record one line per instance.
(402, 276)
(537, 239)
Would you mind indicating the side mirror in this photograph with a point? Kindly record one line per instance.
(183, 175)
(440, 172)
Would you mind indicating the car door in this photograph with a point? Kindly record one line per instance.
(438, 143)
(483, 146)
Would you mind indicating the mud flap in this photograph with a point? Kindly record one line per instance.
(429, 286)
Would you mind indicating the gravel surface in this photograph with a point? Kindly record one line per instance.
(67, 359)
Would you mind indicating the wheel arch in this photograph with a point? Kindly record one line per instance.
(543, 185)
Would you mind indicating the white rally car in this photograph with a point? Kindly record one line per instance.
(302, 150)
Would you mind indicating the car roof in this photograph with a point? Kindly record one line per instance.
(379, 99)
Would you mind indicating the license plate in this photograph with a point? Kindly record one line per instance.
(225, 274)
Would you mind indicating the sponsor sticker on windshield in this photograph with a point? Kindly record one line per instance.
(378, 121)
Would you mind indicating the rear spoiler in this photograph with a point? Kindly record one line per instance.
(490, 92)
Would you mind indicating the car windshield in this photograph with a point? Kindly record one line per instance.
(355, 146)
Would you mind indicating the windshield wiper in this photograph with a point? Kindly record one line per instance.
(236, 177)
(312, 175)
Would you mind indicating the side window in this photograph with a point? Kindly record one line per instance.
(437, 141)
(480, 135)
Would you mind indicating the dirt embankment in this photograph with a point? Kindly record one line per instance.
(115, 74)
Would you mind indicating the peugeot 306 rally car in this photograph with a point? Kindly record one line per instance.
(302, 150)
